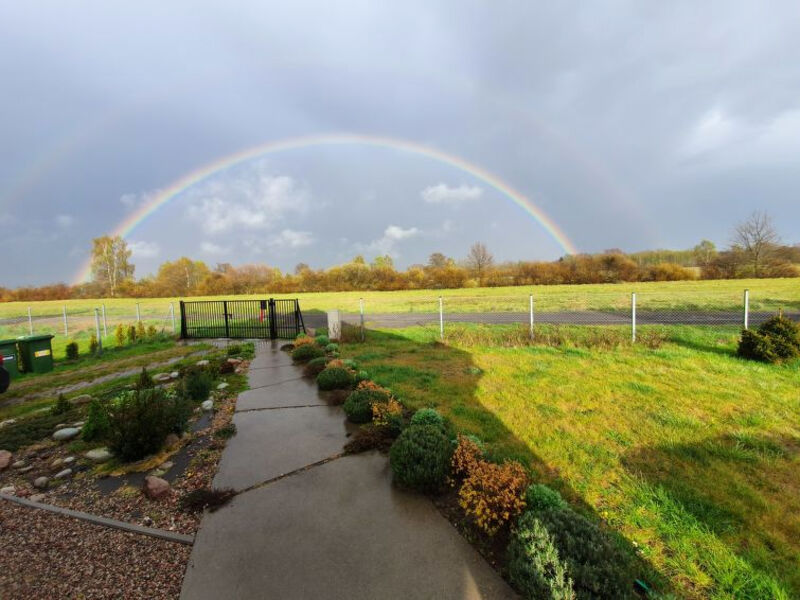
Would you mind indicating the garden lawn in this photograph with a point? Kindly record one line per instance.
(689, 453)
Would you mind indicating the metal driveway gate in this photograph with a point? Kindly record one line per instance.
(246, 319)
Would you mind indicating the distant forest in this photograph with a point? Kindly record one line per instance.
(755, 251)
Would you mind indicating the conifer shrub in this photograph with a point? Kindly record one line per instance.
(72, 350)
(420, 458)
(306, 352)
(335, 378)
(776, 340)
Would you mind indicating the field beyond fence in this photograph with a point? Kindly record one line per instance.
(701, 303)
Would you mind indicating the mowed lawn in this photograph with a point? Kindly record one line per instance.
(688, 452)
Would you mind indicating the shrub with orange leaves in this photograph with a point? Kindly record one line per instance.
(386, 413)
(303, 341)
(466, 457)
(372, 386)
(492, 494)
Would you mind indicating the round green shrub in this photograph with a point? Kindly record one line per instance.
(540, 497)
(597, 567)
(307, 352)
(315, 366)
(534, 566)
(777, 340)
(358, 406)
(234, 350)
(335, 378)
(420, 458)
(350, 364)
(332, 348)
(72, 350)
(96, 426)
(362, 376)
(322, 340)
(427, 416)
(196, 385)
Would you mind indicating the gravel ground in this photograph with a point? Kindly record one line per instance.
(47, 556)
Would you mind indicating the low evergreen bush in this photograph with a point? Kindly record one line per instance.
(776, 340)
(539, 497)
(94, 345)
(322, 340)
(234, 350)
(330, 348)
(534, 565)
(62, 406)
(96, 425)
(145, 381)
(307, 352)
(358, 406)
(427, 416)
(72, 350)
(315, 366)
(420, 458)
(196, 385)
(335, 378)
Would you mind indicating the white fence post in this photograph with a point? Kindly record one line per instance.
(441, 319)
(105, 325)
(138, 314)
(530, 299)
(30, 322)
(633, 317)
(746, 308)
(66, 327)
(97, 330)
(172, 315)
(361, 309)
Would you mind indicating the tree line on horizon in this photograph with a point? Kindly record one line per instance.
(755, 251)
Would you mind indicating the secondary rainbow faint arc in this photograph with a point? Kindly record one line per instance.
(198, 175)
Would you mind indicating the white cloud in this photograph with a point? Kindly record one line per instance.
(387, 242)
(213, 249)
(134, 200)
(141, 249)
(441, 193)
(65, 221)
(249, 200)
(289, 238)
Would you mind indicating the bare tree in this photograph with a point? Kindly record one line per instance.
(480, 260)
(756, 238)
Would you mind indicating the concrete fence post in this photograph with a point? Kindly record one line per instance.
(633, 317)
(530, 302)
(30, 321)
(105, 325)
(441, 319)
(66, 326)
(746, 309)
(172, 315)
(361, 309)
(97, 330)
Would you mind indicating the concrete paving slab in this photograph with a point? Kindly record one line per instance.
(271, 375)
(270, 357)
(298, 392)
(270, 443)
(337, 531)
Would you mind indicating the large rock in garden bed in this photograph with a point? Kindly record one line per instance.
(68, 433)
(98, 455)
(5, 459)
(155, 487)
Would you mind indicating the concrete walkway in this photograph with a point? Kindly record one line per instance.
(315, 524)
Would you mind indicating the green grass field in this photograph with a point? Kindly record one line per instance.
(690, 454)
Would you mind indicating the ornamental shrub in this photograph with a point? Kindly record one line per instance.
(388, 414)
(145, 381)
(140, 420)
(303, 340)
(315, 366)
(96, 426)
(62, 406)
(358, 406)
(350, 364)
(233, 349)
(534, 566)
(94, 345)
(597, 567)
(466, 456)
(420, 458)
(119, 334)
(306, 352)
(332, 348)
(151, 332)
(427, 416)
(492, 494)
(362, 376)
(131, 334)
(777, 340)
(72, 350)
(196, 385)
(322, 340)
(539, 497)
(141, 332)
(335, 378)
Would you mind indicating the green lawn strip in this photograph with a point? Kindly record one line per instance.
(688, 452)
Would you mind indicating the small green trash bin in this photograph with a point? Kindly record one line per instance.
(8, 350)
(35, 353)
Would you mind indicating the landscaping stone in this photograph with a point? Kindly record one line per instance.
(98, 455)
(63, 474)
(41, 482)
(235, 361)
(65, 434)
(7, 422)
(23, 492)
(162, 377)
(69, 460)
(20, 464)
(78, 424)
(5, 459)
(37, 498)
(166, 465)
(27, 469)
(57, 463)
(155, 487)
(82, 399)
(202, 363)
(222, 386)
(207, 405)
(174, 375)
(60, 426)
(9, 489)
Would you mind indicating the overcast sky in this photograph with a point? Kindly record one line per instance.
(630, 124)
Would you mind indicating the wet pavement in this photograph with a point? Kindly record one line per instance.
(315, 524)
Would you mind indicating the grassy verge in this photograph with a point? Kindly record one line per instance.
(690, 454)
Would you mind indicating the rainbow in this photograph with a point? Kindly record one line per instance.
(199, 175)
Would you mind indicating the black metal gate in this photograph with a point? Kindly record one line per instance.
(245, 319)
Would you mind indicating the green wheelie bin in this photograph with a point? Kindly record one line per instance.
(35, 353)
(8, 350)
